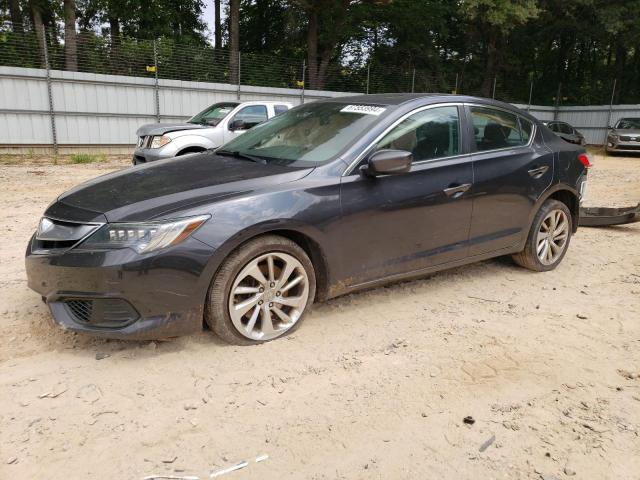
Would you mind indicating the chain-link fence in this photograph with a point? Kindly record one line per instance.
(171, 59)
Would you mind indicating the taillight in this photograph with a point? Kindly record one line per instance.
(585, 160)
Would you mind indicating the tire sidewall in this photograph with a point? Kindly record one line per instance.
(219, 318)
(546, 208)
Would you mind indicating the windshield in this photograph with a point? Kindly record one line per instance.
(308, 135)
(214, 114)
(628, 123)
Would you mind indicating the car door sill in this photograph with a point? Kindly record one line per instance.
(424, 271)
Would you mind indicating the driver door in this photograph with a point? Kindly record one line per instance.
(395, 224)
(250, 116)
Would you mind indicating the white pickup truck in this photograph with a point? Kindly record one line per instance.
(211, 128)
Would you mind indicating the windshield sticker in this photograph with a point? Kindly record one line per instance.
(366, 109)
(225, 110)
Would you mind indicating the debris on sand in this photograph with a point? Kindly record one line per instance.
(232, 468)
(487, 444)
(469, 420)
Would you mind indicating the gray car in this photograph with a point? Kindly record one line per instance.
(624, 137)
(566, 132)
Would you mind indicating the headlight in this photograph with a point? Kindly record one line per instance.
(145, 236)
(157, 142)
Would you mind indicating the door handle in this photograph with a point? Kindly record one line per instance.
(455, 191)
(539, 171)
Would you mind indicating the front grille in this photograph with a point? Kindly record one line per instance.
(145, 141)
(57, 236)
(627, 138)
(101, 312)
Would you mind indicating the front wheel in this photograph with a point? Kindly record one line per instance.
(261, 292)
(548, 238)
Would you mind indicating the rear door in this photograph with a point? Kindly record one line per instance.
(511, 170)
(394, 224)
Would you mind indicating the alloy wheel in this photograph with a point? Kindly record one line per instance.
(552, 237)
(268, 296)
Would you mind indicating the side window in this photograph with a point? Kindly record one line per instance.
(278, 109)
(251, 115)
(526, 128)
(431, 133)
(496, 129)
(553, 126)
(566, 128)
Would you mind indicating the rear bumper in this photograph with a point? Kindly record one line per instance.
(150, 296)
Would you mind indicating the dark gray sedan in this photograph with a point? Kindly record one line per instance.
(327, 198)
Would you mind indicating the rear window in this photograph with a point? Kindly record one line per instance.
(495, 129)
(278, 109)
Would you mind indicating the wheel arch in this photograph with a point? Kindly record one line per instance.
(191, 149)
(571, 200)
(301, 238)
(561, 192)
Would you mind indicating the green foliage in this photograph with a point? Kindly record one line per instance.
(583, 46)
(87, 158)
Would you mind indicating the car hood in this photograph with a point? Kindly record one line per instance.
(634, 132)
(162, 128)
(160, 189)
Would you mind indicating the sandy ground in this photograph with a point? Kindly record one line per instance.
(374, 385)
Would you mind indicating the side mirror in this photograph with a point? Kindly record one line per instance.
(237, 125)
(389, 162)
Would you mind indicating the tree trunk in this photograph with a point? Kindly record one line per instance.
(16, 15)
(38, 25)
(114, 28)
(312, 49)
(621, 60)
(234, 40)
(218, 24)
(70, 38)
(491, 66)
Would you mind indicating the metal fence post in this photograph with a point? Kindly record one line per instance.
(455, 91)
(493, 95)
(239, 71)
(368, 75)
(52, 115)
(606, 127)
(530, 95)
(156, 82)
(556, 109)
(413, 81)
(304, 69)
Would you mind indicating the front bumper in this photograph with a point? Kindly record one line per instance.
(155, 295)
(623, 147)
(146, 155)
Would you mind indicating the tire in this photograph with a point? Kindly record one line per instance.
(237, 272)
(529, 257)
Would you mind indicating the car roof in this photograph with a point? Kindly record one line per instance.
(263, 102)
(419, 99)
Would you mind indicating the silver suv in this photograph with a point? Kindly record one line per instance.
(209, 129)
(624, 137)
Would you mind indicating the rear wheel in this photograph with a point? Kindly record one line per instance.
(548, 238)
(261, 292)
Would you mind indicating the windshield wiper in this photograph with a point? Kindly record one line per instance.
(236, 154)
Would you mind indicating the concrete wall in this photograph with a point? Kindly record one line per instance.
(102, 112)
